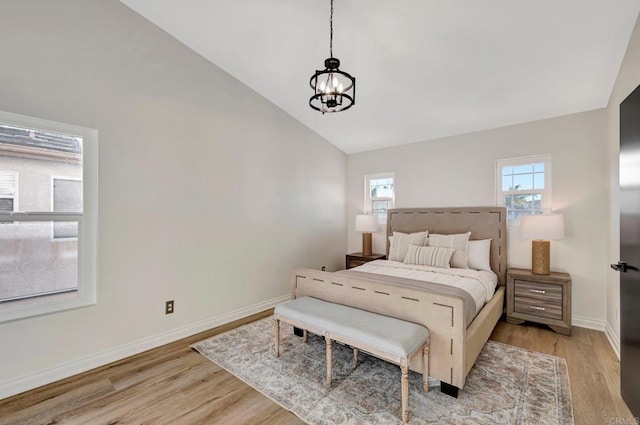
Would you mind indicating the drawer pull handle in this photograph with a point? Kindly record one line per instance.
(538, 291)
(537, 308)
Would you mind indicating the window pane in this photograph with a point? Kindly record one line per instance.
(523, 182)
(538, 181)
(539, 167)
(507, 183)
(382, 188)
(523, 204)
(42, 156)
(380, 208)
(520, 169)
(32, 264)
(507, 170)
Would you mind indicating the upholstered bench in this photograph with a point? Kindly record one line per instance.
(387, 338)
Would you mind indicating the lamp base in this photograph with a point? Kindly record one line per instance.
(540, 257)
(366, 244)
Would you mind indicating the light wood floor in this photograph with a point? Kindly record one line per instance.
(175, 385)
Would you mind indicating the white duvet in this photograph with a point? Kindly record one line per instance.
(480, 284)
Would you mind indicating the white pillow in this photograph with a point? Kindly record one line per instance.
(429, 256)
(458, 241)
(479, 254)
(400, 243)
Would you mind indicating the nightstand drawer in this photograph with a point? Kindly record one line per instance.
(358, 258)
(355, 263)
(537, 308)
(545, 293)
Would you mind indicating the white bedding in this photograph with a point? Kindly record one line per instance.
(480, 284)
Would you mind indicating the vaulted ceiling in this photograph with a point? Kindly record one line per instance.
(424, 68)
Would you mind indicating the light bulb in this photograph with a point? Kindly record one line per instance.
(322, 85)
(340, 88)
(335, 82)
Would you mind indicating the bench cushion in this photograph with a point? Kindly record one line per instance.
(393, 336)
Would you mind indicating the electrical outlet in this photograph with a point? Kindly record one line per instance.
(168, 307)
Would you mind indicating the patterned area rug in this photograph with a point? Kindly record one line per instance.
(508, 385)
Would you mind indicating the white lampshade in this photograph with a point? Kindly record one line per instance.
(542, 226)
(367, 223)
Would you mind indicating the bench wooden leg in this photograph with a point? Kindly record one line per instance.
(404, 368)
(355, 357)
(277, 334)
(305, 336)
(329, 359)
(425, 368)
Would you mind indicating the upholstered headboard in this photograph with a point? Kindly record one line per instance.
(482, 222)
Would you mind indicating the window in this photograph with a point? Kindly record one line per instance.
(48, 238)
(379, 194)
(8, 189)
(523, 185)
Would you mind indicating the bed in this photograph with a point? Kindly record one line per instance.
(457, 333)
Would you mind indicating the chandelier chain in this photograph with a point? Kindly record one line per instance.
(331, 31)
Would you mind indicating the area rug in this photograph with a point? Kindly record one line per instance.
(508, 385)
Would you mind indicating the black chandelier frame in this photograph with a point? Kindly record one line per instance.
(333, 90)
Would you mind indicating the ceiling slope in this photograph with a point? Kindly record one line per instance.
(424, 68)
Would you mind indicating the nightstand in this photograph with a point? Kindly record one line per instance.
(539, 298)
(357, 259)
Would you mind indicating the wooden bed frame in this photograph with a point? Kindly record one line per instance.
(454, 346)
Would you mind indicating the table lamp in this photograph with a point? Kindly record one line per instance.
(367, 224)
(540, 228)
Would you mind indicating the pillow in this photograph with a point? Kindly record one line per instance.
(429, 256)
(458, 241)
(400, 243)
(479, 254)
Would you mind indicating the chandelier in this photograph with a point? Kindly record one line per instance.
(333, 90)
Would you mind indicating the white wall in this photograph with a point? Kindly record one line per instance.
(628, 80)
(459, 171)
(208, 194)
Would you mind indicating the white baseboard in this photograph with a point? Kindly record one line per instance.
(599, 325)
(614, 340)
(589, 323)
(46, 376)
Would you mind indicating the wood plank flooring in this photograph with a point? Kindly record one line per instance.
(174, 385)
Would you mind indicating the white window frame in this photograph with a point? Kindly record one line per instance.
(368, 200)
(545, 193)
(87, 222)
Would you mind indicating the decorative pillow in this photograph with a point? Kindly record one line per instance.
(429, 256)
(458, 241)
(400, 243)
(479, 254)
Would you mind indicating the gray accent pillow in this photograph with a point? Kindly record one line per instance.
(400, 243)
(429, 256)
(458, 242)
